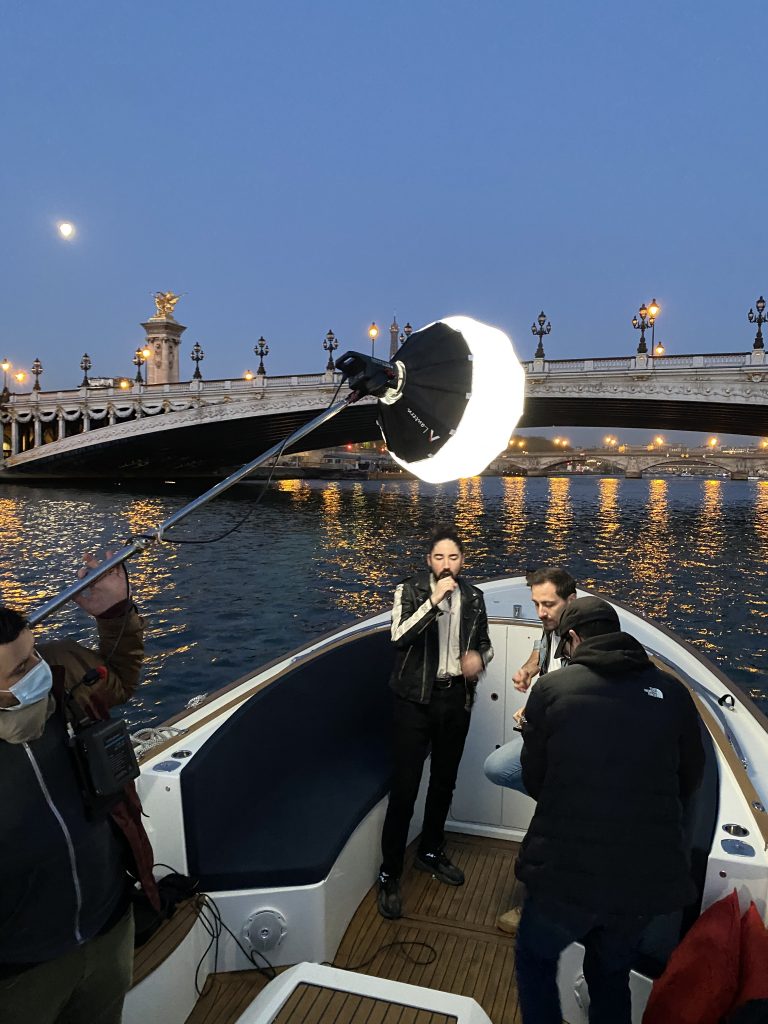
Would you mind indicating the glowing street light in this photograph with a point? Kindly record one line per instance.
(658, 441)
(20, 377)
(610, 441)
(713, 442)
(373, 333)
(249, 375)
(5, 365)
(66, 230)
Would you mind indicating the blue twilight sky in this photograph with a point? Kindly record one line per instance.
(299, 166)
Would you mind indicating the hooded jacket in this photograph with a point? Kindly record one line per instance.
(612, 749)
(415, 634)
(66, 874)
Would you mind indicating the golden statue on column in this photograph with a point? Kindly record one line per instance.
(165, 303)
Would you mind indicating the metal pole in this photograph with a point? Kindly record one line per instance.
(156, 534)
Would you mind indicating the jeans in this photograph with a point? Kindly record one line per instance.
(443, 723)
(503, 767)
(610, 947)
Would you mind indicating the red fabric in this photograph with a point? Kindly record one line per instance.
(700, 983)
(753, 974)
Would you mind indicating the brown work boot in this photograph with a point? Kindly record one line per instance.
(510, 921)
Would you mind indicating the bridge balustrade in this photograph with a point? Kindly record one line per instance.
(33, 419)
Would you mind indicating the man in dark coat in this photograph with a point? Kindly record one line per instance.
(68, 866)
(440, 630)
(612, 749)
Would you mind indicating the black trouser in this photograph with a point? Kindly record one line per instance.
(443, 723)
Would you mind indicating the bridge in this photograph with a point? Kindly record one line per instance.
(634, 462)
(207, 427)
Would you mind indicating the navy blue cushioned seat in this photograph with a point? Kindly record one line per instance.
(273, 796)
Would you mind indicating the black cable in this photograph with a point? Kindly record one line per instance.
(213, 540)
(392, 945)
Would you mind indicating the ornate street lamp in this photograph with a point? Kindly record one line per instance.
(541, 331)
(641, 323)
(249, 375)
(197, 357)
(138, 362)
(37, 369)
(261, 349)
(759, 320)
(85, 365)
(330, 344)
(373, 333)
(653, 311)
(6, 365)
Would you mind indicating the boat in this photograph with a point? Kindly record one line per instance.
(272, 793)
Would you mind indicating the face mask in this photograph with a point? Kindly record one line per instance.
(32, 687)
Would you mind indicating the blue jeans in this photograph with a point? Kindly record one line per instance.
(503, 767)
(610, 948)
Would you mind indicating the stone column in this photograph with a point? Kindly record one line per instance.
(38, 432)
(394, 334)
(163, 338)
(62, 423)
(14, 437)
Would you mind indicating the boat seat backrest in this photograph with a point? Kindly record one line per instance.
(272, 797)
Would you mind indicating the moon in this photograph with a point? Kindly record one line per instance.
(66, 230)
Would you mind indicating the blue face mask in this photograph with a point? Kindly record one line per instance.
(33, 686)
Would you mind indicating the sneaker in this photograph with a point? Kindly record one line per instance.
(438, 865)
(510, 921)
(389, 900)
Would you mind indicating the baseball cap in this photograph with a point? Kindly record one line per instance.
(581, 611)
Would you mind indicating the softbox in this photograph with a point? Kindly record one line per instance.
(458, 398)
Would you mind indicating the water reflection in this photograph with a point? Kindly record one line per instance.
(650, 559)
(559, 518)
(318, 555)
(469, 514)
(513, 521)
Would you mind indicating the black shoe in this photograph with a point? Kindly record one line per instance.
(438, 865)
(389, 900)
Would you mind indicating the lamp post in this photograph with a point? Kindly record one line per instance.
(653, 311)
(138, 362)
(641, 323)
(6, 365)
(37, 369)
(330, 344)
(759, 320)
(373, 333)
(541, 331)
(197, 357)
(85, 365)
(261, 349)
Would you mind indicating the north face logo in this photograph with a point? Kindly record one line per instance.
(652, 691)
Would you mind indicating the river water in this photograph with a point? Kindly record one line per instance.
(690, 552)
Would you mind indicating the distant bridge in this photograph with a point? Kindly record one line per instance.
(207, 427)
(635, 462)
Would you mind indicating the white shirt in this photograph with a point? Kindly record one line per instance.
(449, 661)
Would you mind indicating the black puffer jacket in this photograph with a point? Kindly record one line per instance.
(612, 748)
(415, 634)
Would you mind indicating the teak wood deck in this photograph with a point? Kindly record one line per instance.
(460, 950)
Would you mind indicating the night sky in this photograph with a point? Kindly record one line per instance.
(293, 167)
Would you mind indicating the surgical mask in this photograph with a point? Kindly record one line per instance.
(32, 686)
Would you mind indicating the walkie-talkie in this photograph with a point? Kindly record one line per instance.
(102, 749)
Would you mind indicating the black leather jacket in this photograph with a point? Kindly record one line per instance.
(417, 644)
